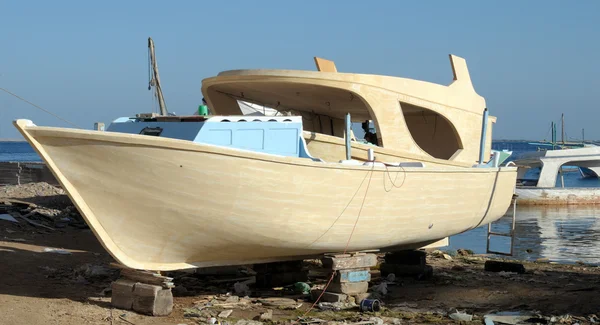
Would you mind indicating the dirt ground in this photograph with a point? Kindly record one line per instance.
(68, 286)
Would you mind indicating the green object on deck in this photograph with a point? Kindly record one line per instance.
(202, 110)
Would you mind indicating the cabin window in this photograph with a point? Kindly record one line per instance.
(431, 131)
(151, 131)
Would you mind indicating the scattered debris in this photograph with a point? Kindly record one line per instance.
(8, 217)
(461, 316)
(268, 315)
(464, 252)
(509, 317)
(336, 306)
(56, 250)
(225, 313)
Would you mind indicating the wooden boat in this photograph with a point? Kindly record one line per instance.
(165, 192)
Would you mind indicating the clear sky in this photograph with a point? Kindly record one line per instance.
(87, 60)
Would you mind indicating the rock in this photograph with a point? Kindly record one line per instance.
(448, 257)
(232, 300)
(280, 302)
(380, 289)
(248, 322)
(376, 320)
(225, 313)
(461, 316)
(336, 306)
(268, 315)
(94, 271)
(180, 291)
(538, 272)
(498, 266)
(328, 296)
(464, 252)
(241, 288)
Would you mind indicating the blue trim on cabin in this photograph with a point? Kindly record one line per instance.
(277, 136)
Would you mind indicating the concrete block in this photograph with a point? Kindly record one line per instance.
(420, 272)
(269, 280)
(152, 300)
(328, 296)
(349, 288)
(122, 294)
(352, 275)
(350, 262)
(412, 257)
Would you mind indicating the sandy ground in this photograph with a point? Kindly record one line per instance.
(38, 287)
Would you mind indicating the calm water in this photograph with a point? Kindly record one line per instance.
(17, 151)
(563, 234)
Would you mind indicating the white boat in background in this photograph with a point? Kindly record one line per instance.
(552, 164)
(165, 192)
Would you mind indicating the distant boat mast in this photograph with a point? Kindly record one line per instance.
(155, 79)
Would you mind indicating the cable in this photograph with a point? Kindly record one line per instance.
(36, 106)
(349, 238)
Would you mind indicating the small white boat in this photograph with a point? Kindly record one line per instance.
(543, 190)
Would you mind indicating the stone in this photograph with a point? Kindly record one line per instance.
(328, 296)
(361, 296)
(122, 294)
(232, 300)
(268, 315)
(352, 275)
(413, 257)
(152, 300)
(180, 291)
(499, 266)
(349, 262)
(225, 313)
(349, 288)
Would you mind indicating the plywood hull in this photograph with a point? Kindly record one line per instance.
(164, 204)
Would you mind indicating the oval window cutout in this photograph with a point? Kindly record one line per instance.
(432, 132)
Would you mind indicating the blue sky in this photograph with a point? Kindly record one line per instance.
(87, 60)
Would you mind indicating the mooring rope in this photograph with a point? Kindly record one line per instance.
(38, 107)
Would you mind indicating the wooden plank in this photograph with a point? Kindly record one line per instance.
(325, 65)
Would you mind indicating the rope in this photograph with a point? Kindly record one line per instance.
(36, 106)
(349, 239)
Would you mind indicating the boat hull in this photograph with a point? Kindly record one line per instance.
(558, 195)
(165, 204)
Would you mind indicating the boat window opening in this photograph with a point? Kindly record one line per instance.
(156, 131)
(431, 131)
